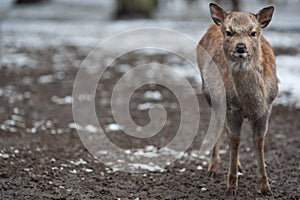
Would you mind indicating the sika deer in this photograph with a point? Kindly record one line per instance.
(246, 63)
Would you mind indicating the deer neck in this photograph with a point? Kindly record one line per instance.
(249, 86)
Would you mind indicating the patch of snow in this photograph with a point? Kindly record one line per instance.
(240, 174)
(189, 71)
(222, 151)
(16, 110)
(106, 75)
(72, 125)
(87, 170)
(91, 128)
(17, 118)
(123, 68)
(151, 151)
(127, 151)
(171, 152)
(147, 167)
(4, 155)
(10, 122)
(146, 154)
(87, 128)
(27, 80)
(199, 167)
(64, 165)
(103, 152)
(79, 162)
(13, 129)
(60, 75)
(151, 148)
(45, 79)
(74, 171)
(112, 127)
(288, 72)
(17, 60)
(182, 170)
(153, 95)
(204, 163)
(145, 106)
(285, 40)
(33, 130)
(84, 97)
(11, 93)
(62, 101)
(207, 153)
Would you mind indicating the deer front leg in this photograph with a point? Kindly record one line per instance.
(260, 127)
(234, 124)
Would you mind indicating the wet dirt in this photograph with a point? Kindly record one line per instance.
(42, 157)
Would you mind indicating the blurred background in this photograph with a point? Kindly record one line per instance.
(31, 26)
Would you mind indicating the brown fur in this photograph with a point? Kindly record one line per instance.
(249, 78)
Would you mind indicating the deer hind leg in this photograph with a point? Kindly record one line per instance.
(214, 163)
(240, 168)
(260, 127)
(234, 124)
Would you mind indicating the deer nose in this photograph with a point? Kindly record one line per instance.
(241, 48)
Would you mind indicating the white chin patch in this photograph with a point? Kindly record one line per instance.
(240, 66)
(239, 55)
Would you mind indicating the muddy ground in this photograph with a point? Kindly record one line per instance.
(42, 156)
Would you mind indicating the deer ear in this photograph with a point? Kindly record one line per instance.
(264, 16)
(217, 13)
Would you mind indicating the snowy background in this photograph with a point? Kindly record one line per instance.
(85, 24)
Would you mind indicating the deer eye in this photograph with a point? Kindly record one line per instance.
(228, 33)
(253, 34)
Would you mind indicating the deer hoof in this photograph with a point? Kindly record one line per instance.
(212, 174)
(240, 169)
(231, 192)
(266, 192)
